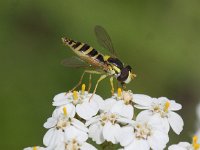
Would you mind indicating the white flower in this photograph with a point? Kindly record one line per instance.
(74, 140)
(181, 146)
(123, 106)
(35, 148)
(143, 135)
(59, 124)
(106, 125)
(85, 107)
(186, 145)
(163, 107)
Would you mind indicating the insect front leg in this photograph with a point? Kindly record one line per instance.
(112, 85)
(123, 86)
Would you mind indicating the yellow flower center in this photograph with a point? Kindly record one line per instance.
(195, 145)
(119, 92)
(35, 148)
(75, 95)
(65, 111)
(83, 89)
(166, 107)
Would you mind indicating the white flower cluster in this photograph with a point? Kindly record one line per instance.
(77, 118)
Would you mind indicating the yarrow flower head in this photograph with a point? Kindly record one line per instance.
(162, 107)
(85, 107)
(78, 117)
(186, 146)
(60, 123)
(143, 135)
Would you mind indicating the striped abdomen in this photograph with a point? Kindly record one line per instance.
(84, 51)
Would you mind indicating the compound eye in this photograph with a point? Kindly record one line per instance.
(124, 75)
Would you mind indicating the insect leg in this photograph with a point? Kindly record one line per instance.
(112, 85)
(90, 82)
(123, 86)
(99, 80)
(80, 81)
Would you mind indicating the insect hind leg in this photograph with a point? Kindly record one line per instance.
(90, 82)
(80, 81)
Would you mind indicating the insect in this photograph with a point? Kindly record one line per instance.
(96, 63)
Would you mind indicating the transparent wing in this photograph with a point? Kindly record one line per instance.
(75, 62)
(104, 39)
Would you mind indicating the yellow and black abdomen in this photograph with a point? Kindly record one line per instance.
(85, 52)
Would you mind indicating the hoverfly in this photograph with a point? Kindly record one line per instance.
(97, 63)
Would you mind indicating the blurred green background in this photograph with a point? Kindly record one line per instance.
(160, 39)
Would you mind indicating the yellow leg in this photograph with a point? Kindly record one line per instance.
(90, 82)
(112, 86)
(99, 80)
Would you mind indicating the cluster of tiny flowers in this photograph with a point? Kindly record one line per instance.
(78, 117)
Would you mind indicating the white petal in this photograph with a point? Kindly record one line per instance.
(123, 110)
(165, 124)
(125, 136)
(96, 133)
(142, 100)
(87, 110)
(61, 99)
(142, 107)
(176, 147)
(108, 103)
(138, 145)
(158, 140)
(184, 144)
(70, 110)
(159, 123)
(53, 137)
(87, 146)
(99, 100)
(174, 106)
(92, 120)
(73, 133)
(144, 115)
(125, 121)
(59, 146)
(110, 131)
(176, 122)
(78, 124)
(51, 122)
